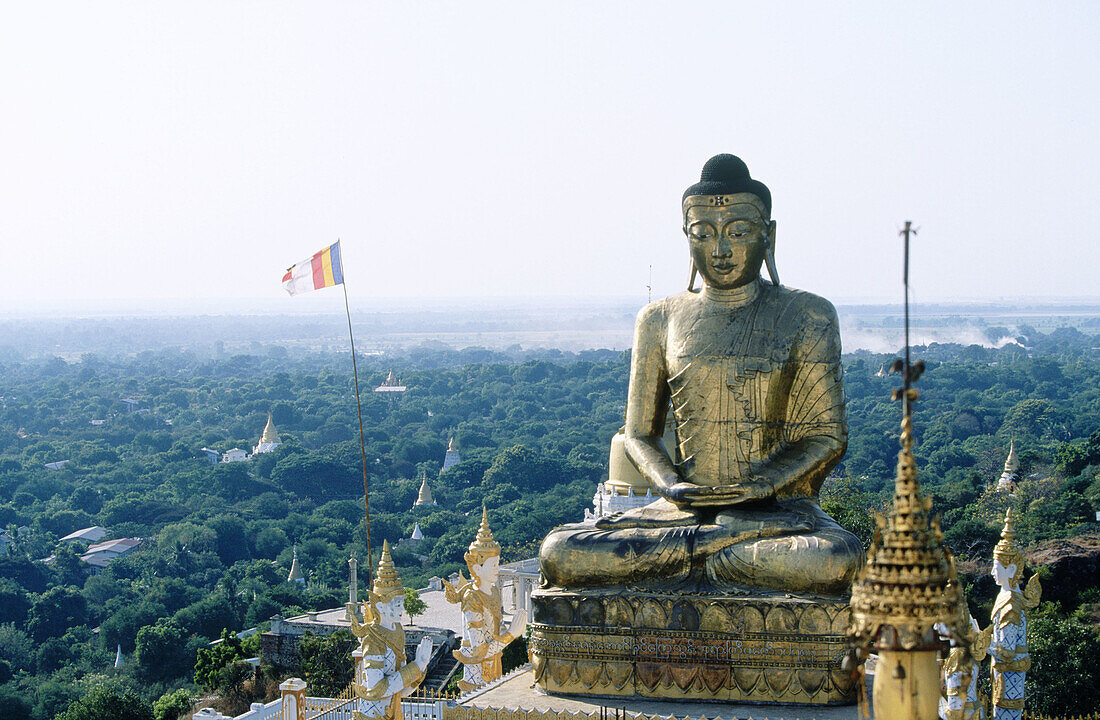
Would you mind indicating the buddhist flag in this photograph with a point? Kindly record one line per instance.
(324, 269)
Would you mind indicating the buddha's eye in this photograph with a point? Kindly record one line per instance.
(739, 229)
(702, 231)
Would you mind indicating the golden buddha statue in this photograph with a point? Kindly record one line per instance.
(752, 371)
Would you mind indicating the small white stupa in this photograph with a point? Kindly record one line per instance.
(424, 497)
(1008, 478)
(452, 457)
(296, 574)
(269, 440)
(417, 534)
(118, 657)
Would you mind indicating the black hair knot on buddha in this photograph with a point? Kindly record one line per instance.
(727, 174)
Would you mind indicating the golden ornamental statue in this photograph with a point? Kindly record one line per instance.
(1008, 625)
(382, 676)
(752, 372)
(959, 688)
(485, 636)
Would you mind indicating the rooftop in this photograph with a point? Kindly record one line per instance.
(90, 534)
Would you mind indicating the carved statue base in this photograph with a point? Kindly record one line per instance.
(757, 647)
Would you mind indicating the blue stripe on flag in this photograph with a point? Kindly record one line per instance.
(337, 263)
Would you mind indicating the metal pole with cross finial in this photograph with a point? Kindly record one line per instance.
(909, 370)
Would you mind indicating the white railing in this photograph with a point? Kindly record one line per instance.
(270, 711)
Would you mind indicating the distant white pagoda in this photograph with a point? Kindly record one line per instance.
(296, 574)
(452, 457)
(625, 488)
(391, 385)
(424, 497)
(416, 534)
(269, 440)
(1009, 477)
(118, 657)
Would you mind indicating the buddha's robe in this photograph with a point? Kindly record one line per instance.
(757, 396)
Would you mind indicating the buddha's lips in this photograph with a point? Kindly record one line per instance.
(723, 267)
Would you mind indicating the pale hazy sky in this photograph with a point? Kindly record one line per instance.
(195, 150)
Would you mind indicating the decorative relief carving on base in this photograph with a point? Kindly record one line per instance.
(771, 649)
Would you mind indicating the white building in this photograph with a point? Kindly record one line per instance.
(89, 534)
(391, 385)
(234, 455)
(102, 554)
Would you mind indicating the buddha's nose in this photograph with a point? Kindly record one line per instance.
(723, 248)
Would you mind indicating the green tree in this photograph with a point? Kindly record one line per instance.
(413, 604)
(55, 611)
(210, 661)
(1065, 665)
(326, 662)
(108, 702)
(161, 650)
(171, 705)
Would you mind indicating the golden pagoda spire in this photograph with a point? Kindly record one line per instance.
(1012, 463)
(296, 574)
(270, 435)
(424, 496)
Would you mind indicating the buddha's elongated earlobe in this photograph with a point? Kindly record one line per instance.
(769, 259)
(769, 255)
(691, 277)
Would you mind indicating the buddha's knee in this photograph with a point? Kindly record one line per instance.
(825, 561)
(553, 562)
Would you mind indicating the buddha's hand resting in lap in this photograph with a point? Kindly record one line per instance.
(692, 495)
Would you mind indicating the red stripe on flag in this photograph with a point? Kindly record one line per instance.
(289, 275)
(318, 272)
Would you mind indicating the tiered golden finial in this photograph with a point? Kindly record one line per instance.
(909, 583)
(1006, 550)
(484, 546)
(903, 590)
(387, 585)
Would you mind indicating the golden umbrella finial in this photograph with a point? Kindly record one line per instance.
(387, 585)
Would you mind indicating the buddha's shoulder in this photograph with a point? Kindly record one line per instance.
(656, 312)
(799, 302)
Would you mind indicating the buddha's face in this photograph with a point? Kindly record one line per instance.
(728, 242)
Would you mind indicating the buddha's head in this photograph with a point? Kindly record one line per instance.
(727, 221)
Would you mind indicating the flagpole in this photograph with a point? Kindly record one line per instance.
(362, 442)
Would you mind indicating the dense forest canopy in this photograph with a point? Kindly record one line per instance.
(532, 427)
